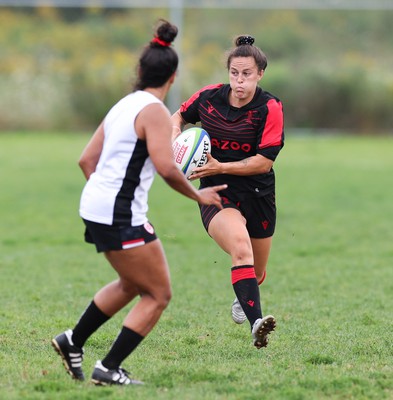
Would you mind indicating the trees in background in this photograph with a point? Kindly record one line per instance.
(63, 69)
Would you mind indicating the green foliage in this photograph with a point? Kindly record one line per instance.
(65, 68)
(329, 281)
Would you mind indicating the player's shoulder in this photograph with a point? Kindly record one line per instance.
(266, 102)
(212, 89)
(264, 96)
(206, 93)
(273, 99)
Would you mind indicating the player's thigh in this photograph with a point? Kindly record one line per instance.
(228, 229)
(144, 267)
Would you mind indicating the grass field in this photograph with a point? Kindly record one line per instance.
(330, 281)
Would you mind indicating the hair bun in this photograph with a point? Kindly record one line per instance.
(245, 40)
(165, 33)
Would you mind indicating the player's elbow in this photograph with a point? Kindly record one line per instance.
(87, 166)
(266, 168)
(84, 163)
(264, 165)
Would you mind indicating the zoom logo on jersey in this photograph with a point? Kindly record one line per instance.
(230, 145)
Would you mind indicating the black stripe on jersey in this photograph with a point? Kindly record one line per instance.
(122, 210)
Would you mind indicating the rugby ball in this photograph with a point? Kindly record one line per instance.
(190, 149)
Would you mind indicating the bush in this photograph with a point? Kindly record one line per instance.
(66, 68)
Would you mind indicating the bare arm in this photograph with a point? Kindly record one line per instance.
(92, 152)
(249, 166)
(153, 124)
(178, 124)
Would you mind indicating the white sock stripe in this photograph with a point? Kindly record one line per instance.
(76, 365)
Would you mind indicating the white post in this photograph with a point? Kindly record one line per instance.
(176, 18)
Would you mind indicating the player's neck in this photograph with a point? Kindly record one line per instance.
(159, 92)
(236, 102)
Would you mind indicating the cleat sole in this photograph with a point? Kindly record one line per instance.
(267, 326)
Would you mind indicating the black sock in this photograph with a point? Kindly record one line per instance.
(246, 288)
(89, 322)
(122, 347)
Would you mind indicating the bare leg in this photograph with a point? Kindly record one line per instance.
(261, 249)
(228, 229)
(142, 271)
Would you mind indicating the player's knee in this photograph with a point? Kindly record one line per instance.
(241, 252)
(161, 299)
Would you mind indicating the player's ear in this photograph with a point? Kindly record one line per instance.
(172, 78)
(260, 74)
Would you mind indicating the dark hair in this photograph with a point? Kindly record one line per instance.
(158, 60)
(245, 48)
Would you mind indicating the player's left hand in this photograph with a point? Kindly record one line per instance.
(212, 167)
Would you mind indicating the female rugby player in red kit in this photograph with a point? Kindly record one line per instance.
(245, 124)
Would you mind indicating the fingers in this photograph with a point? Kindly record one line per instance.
(218, 188)
(196, 174)
(219, 205)
(209, 168)
(210, 195)
(215, 200)
(192, 177)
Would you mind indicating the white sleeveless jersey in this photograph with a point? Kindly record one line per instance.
(117, 192)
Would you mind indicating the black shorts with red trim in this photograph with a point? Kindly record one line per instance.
(112, 237)
(259, 212)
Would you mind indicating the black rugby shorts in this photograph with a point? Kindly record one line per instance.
(259, 212)
(109, 237)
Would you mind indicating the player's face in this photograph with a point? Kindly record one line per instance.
(243, 78)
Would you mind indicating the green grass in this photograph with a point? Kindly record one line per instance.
(330, 281)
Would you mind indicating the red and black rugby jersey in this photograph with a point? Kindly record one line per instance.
(238, 133)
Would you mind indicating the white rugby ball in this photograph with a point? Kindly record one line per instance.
(190, 149)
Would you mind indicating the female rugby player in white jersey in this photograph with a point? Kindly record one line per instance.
(119, 163)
